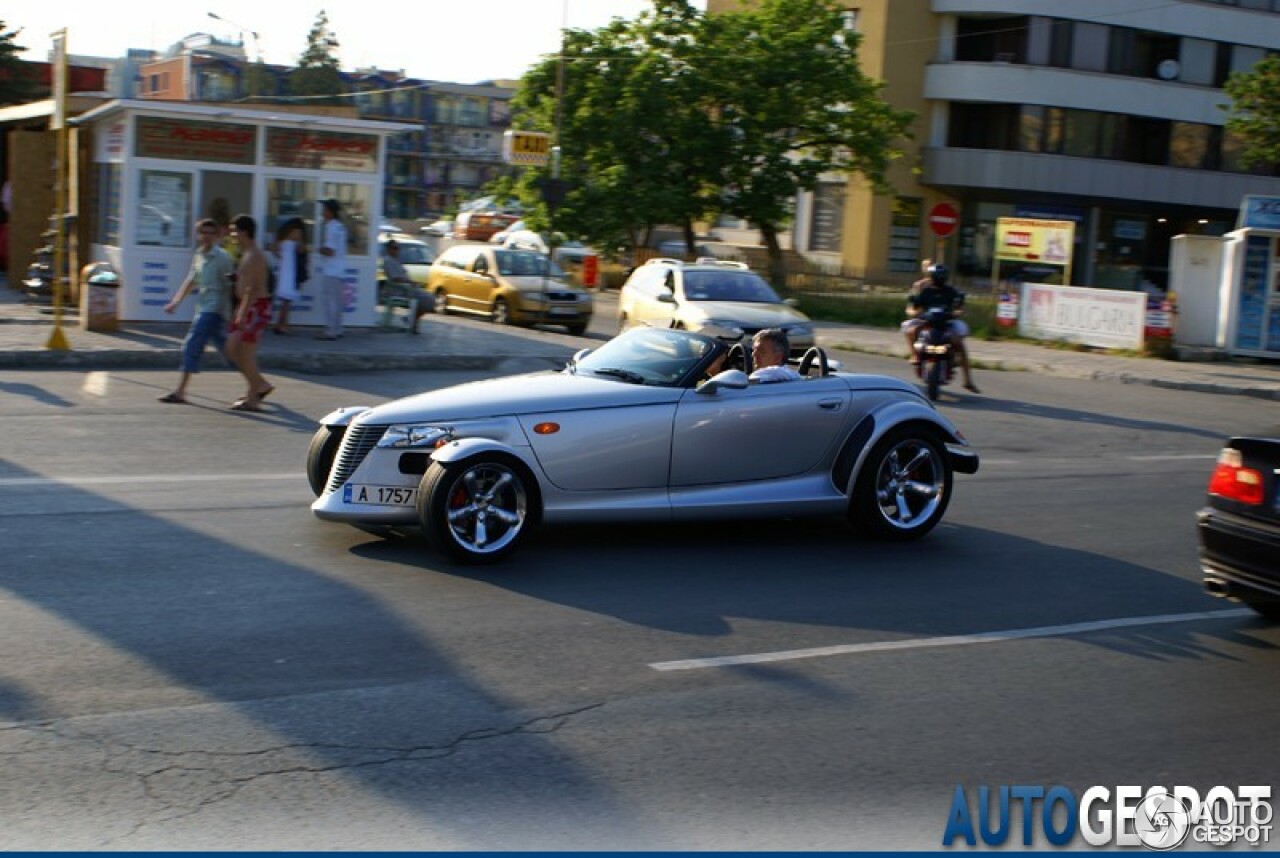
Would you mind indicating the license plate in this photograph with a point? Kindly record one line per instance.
(379, 495)
(563, 311)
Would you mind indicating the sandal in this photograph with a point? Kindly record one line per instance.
(173, 399)
(244, 405)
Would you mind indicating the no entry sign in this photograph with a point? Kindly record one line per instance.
(943, 219)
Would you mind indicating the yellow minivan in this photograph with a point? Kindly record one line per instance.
(511, 287)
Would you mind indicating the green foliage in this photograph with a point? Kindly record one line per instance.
(317, 72)
(1254, 114)
(677, 116)
(881, 310)
(17, 82)
(257, 80)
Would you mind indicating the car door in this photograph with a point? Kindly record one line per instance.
(767, 431)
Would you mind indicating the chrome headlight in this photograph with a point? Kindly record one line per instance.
(409, 437)
(533, 297)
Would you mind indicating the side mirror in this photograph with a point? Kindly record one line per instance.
(666, 298)
(578, 355)
(730, 379)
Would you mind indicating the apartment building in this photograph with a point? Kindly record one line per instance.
(429, 172)
(1108, 113)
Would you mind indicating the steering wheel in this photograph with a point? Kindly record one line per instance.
(814, 354)
(738, 358)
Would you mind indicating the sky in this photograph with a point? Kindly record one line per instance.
(462, 41)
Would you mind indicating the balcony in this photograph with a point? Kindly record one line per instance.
(1032, 173)
(1081, 90)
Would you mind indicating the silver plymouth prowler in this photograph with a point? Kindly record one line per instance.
(635, 431)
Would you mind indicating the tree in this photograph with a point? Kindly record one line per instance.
(257, 81)
(679, 115)
(317, 73)
(1254, 113)
(17, 80)
(632, 132)
(784, 83)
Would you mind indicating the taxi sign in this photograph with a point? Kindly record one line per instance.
(526, 148)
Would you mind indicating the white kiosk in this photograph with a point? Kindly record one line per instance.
(1249, 309)
(159, 167)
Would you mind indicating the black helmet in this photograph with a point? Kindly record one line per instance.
(938, 274)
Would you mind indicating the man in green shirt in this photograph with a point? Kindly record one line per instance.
(210, 276)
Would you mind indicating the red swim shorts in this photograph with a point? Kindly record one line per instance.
(256, 319)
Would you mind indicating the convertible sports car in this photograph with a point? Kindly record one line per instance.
(637, 431)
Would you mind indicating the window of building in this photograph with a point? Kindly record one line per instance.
(984, 126)
(1031, 128)
(1244, 57)
(827, 219)
(1198, 59)
(1141, 53)
(1081, 133)
(1189, 145)
(992, 39)
(1089, 46)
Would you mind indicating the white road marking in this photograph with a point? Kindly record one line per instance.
(1172, 457)
(144, 478)
(948, 641)
(95, 383)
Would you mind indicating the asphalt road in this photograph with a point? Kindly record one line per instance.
(189, 660)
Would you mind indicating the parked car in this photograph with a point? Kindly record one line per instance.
(635, 432)
(726, 295)
(509, 286)
(500, 236)
(480, 225)
(1239, 526)
(442, 228)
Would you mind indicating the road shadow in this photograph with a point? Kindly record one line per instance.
(210, 668)
(36, 392)
(1073, 415)
(697, 580)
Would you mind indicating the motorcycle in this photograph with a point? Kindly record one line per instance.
(935, 351)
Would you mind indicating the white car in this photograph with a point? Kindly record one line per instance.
(709, 293)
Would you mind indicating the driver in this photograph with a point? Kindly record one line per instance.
(769, 350)
(937, 292)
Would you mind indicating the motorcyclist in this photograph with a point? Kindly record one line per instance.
(939, 293)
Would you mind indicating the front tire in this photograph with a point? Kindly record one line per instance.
(442, 302)
(578, 329)
(478, 510)
(934, 383)
(1268, 609)
(904, 487)
(501, 312)
(321, 454)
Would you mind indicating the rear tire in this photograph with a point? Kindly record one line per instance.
(442, 302)
(904, 486)
(321, 454)
(578, 329)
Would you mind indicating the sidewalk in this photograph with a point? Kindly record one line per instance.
(458, 343)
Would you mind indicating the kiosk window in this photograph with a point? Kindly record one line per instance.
(107, 193)
(164, 209)
(355, 200)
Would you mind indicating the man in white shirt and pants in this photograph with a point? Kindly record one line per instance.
(333, 249)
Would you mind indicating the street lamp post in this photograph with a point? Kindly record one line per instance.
(257, 41)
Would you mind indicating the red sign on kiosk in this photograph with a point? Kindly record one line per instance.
(943, 219)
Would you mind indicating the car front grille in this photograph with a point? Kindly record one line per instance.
(356, 444)
(562, 296)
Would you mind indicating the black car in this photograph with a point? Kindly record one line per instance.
(1240, 526)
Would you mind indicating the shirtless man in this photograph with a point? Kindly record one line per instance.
(252, 314)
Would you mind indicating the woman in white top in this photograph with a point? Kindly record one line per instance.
(291, 272)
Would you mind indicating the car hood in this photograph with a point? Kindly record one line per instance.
(532, 393)
(750, 313)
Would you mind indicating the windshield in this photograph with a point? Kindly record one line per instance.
(525, 263)
(728, 286)
(415, 254)
(657, 356)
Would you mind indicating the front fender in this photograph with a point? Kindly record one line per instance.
(465, 448)
(343, 416)
(907, 412)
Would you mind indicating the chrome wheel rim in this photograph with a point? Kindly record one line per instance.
(910, 484)
(486, 509)
(500, 313)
